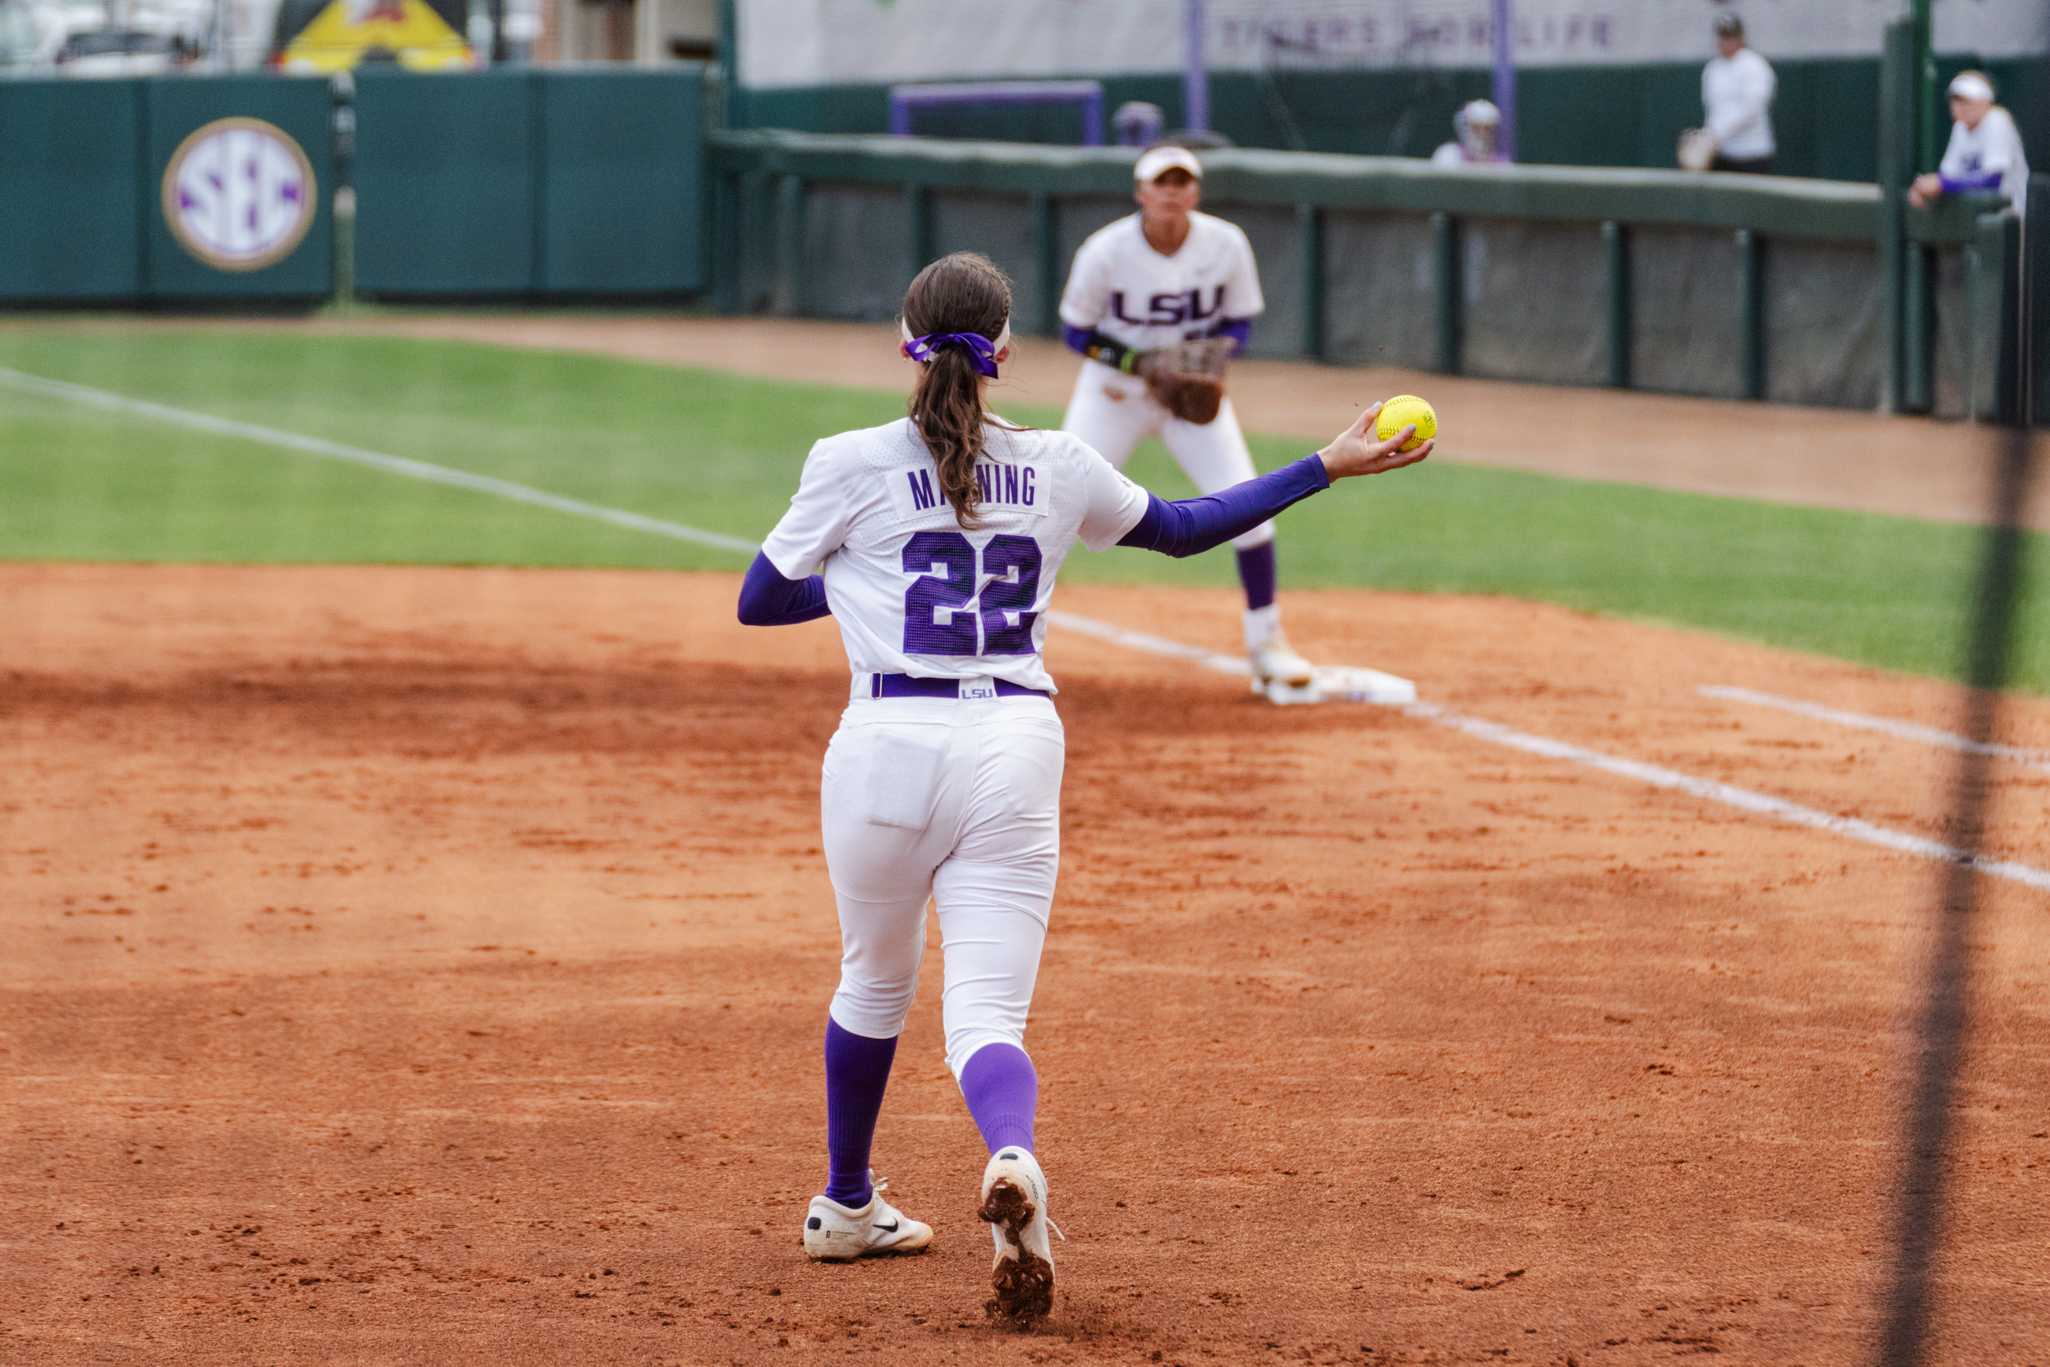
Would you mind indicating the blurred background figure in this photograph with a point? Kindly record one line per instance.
(1985, 151)
(1138, 124)
(1737, 87)
(1477, 128)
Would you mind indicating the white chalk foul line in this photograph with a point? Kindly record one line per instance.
(1741, 798)
(1153, 645)
(1904, 730)
(376, 460)
(1729, 795)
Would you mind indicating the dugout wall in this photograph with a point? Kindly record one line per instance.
(1736, 287)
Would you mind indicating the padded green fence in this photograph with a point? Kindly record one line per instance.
(93, 209)
(262, 227)
(622, 204)
(72, 199)
(529, 183)
(447, 183)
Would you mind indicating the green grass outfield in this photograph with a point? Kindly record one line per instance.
(722, 453)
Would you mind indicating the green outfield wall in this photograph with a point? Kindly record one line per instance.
(205, 190)
(166, 191)
(530, 184)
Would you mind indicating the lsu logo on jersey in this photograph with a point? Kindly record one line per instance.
(1168, 309)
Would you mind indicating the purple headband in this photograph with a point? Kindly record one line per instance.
(982, 352)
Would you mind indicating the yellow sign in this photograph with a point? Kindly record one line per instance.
(409, 30)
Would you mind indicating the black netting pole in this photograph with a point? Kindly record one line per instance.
(1941, 1035)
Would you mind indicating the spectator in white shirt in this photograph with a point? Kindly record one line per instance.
(1478, 125)
(1737, 87)
(1985, 151)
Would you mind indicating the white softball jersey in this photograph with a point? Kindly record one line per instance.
(1994, 147)
(1132, 294)
(913, 593)
(1736, 104)
(1120, 286)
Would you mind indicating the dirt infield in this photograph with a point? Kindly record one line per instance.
(429, 966)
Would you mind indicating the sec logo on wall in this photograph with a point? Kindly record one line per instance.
(239, 194)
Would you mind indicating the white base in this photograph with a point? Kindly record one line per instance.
(1338, 683)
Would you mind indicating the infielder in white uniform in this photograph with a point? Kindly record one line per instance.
(1164, 275)
(1985, 151)
(940, 538)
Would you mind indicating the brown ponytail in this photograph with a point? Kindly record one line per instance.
(963, 292)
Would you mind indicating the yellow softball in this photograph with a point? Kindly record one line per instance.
(1401, 411)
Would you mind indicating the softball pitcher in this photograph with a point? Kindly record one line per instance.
(940, 538)
(1162, 276)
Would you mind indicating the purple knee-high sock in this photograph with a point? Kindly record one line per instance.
(1002, 1092)
(857, 1070)
(1256, 572)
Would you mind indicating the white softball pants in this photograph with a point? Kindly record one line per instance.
(1113, 412)
(958, 801)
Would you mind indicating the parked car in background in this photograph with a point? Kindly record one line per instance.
(121, 52)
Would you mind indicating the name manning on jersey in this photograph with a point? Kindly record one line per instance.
(995, 483)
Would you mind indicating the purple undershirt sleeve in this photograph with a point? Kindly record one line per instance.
(767, 599)
(1189, 525)
(1240, 330)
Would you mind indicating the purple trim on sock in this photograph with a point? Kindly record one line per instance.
(1256, 572)
(857, 1071)
(1002, 1092)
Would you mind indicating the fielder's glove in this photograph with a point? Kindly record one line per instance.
(1187, 379)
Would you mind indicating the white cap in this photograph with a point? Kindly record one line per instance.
(1481, 111)
(1163, 159)
(1972, 86)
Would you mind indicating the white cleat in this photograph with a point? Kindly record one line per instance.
(834, 1233)
(1014, 1203)
(1274, 663)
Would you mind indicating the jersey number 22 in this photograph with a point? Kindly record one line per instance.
(949, 571)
